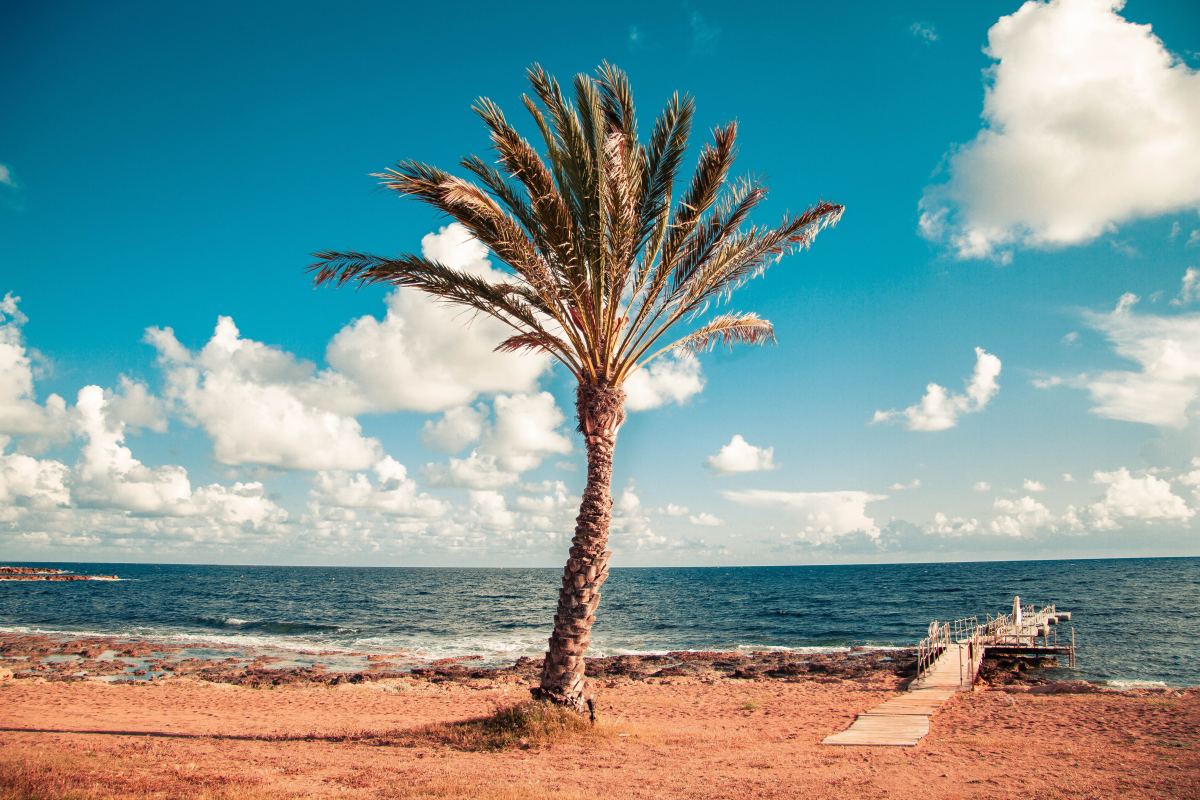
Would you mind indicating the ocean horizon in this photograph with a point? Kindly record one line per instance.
(1136, 619)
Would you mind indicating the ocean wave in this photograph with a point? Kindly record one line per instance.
(283, 627)
(1135, 684)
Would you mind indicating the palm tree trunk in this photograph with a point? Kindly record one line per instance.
(601, 411)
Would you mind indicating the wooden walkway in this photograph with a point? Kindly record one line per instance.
(949, 664)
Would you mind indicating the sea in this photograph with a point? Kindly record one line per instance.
(1136, 621)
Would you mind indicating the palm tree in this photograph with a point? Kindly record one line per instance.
(608, 274)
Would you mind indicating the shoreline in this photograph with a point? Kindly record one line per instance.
(73, 656)
(125, 659)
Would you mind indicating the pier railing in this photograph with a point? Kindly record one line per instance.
(1019, 629)
(932, 646)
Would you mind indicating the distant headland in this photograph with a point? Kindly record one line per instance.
(47, 574)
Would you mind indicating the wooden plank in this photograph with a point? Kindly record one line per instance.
(885, 731)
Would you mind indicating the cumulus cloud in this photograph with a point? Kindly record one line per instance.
(822, 516)
(1089, 122)
(109, 476)
(261, 405)
(476, 471)
(915, 483)
(133, 405)
(525, 430)
(388, 490)
(940, 408)
(945, 525)
(455, 429)
(672, 378)
(1021, 517)
(705, 519)
(429, 356)
(982, 486)
(1166, 350)
(31, 482)
(20, 413)
(1129, 497)
(489, 510)
(1030, 485)
(741, 456)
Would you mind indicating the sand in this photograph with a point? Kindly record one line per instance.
(700, 735)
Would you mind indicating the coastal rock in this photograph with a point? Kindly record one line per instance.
(47, 574)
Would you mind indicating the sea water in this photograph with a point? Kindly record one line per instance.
(1137, 621)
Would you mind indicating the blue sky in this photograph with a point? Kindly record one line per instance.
(164, 168)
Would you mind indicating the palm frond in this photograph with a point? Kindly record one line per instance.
(725, 329)
(606, 262)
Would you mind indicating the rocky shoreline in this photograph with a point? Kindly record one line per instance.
(46, 574)
(129, 660)
(126, 660)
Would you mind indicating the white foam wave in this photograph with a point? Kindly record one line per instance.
(1136, 684)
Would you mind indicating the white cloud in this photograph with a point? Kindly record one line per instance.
(1129, 497)
(108, 476)
(476, 471)
(673, 510)
(668, 379)
(1020, 517)
(1189, 288)
(1068, 477)
(390, 492)
(134, 406)
(741, 456)
(1030, 485)
(943, 525)
(822, 516)
(525, 430)
(982, 486)
(915, 483)
(489, 510)
(426, 355)
(632, 529)
(924, 31)
(627, 501)
(6, 177)
(32, 482)
(705, 519)
(1089, 122)
(20, 413)
(261, 405)
(1167, 351)
(241, 507)
(455, 429)
(940, 408)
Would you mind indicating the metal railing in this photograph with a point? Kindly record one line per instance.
(1022, 627)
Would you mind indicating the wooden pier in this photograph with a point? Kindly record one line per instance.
(948, 661)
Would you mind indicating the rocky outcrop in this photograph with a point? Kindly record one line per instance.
(46, 574)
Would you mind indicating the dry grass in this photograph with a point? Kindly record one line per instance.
(41, 776)
(529, 725)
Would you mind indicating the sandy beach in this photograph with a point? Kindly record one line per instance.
(679, 725)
